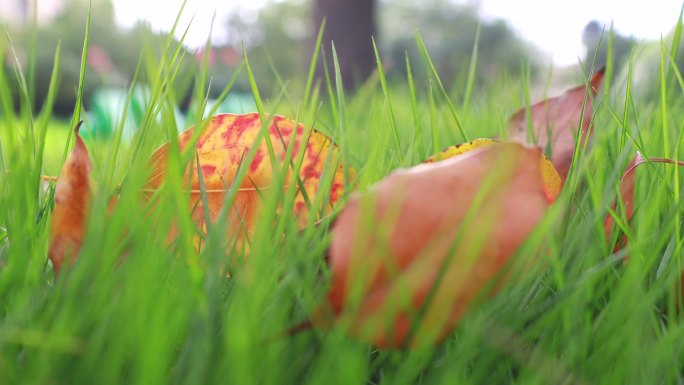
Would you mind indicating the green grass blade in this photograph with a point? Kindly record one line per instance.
(438, 80)
(388, 98)
(472, 69)
(312, 66)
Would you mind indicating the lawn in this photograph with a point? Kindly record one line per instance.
(138, 308)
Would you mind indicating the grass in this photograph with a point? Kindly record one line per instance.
(135, 309)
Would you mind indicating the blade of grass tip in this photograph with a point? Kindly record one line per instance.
(610, 60)
(33, 44)
(7, 102)
(329, 88)
(579, 148)
(315, 105)
(283, 95)
(201, 79)
(161, 87)
(342, 122)
(436, 144)
(224, 93)
(426, 56)
(260, 109)
(388, 99)
(365, 92)
(663, 102)
(168, 99)
(637, 139)
(502, 124)
(45, 114)
(418, 136)
(81, 80)
(280, 98)
(118, 138)
(547, 82)
(527, 102)
(171, 70)
(575, 181)
(312, 66)
(153, 70)
(628, 98)
(170, 39)
(23, 88)
(472, 69)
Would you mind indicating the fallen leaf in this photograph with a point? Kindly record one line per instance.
(411, 255)
(626, 196)
(552, 181)
(626, 199)
(72, 204)
(220, 150)
(459, 149)
(554, 124)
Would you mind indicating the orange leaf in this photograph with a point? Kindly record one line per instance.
(226, 142)
(555, 122)
(72, 202)
(427, 241)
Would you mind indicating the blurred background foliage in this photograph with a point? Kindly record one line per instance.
(449, 31)
(113, 55)
(279, 39)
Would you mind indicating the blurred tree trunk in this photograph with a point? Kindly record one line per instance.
(350, 24)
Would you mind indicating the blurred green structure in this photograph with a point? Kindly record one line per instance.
(108, 104)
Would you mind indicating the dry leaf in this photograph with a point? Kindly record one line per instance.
(224, 144)
(627, 183)
(220, 150)
(555, 122)
(72, 203)
(459, 219)
(459, 149)
(552, 182)
(626, 197)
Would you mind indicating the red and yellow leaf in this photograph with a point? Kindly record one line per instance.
(415, 251)
(222, 147)
(72, 204)
(554, 123)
